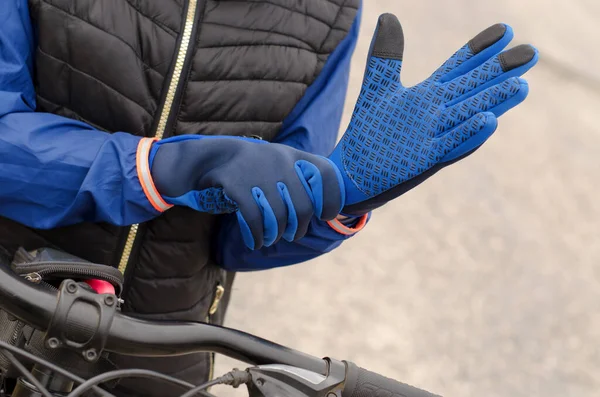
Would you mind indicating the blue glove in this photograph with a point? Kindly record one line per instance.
(275, 189)
(400, 136)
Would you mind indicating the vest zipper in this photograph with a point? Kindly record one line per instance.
(167, 109)
(219, 292)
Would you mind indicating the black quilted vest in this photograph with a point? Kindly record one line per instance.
(172, 67)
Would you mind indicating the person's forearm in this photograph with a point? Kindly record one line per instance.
(55, 172)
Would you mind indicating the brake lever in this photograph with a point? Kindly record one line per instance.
(277, 380)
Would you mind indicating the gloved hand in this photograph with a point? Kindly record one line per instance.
(275, 189)
(400, 136)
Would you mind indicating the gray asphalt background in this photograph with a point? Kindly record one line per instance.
(485, 281)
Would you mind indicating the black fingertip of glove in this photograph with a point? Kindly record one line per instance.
(488, 37)
(389, 38)
(517, 56)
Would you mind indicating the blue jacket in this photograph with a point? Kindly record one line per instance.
(56, 171)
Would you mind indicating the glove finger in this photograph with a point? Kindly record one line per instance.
(300, 210)
(388, 40)
(497, 99)
(274, 214)
(251, 219)
(465, 138)
(324, 184)
(478, 50)
(251, 239)
(382, 74)
(511, 63)
(292, 218)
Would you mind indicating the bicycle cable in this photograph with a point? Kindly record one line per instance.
(233, 378)
(23, 353)
(129, 373)
(26, 373)
(91, 384)
(201, 388)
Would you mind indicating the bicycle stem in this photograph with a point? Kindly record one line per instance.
(132, 336)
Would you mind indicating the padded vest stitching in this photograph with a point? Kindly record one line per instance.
(320, 50)
(337, 17)
(344, 5)
(155, 278)
(257, 80)
(232, 121)
(341, 5)
(351, 7)
(83, 119)
(339, 30)
(200, 47)
(263, 45)
(159, 24)
(260, 30)
(93, 78)
(306, 14)
(109, 34)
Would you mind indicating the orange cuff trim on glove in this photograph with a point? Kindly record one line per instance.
(145, 177)
(348, 231)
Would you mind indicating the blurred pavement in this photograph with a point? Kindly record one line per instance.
(484, 281)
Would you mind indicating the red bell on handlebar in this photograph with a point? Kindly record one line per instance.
(101, 286)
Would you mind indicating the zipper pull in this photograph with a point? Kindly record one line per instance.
(219, 292)
(33, 278)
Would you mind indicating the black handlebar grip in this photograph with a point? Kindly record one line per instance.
(363, 383)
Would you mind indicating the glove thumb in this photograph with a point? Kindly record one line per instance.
(387, 48)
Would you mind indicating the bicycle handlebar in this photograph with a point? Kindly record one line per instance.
(131, 336)
(142, 338)
(362, 383)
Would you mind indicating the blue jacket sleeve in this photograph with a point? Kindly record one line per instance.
(312, 126)
(56, 171)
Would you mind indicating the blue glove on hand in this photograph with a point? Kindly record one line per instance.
(275, 189)
(400, 136)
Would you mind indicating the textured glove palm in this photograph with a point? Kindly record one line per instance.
(276, 190)
(399, 136)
